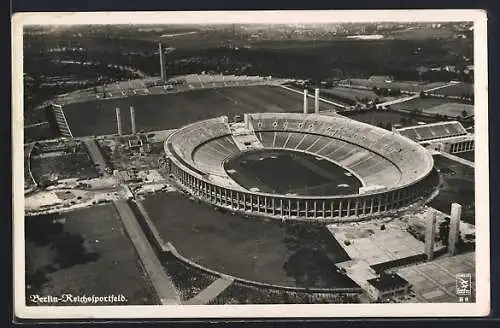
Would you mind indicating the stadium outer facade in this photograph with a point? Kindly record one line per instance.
(400, 172)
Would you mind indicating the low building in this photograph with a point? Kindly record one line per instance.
(387, 286)
(450, 137)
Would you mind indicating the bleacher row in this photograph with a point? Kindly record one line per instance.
(434, 131)
(377, 145)
(210, 156)
(371, 168)
(186, 140)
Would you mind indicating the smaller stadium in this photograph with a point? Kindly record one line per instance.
(300, 166)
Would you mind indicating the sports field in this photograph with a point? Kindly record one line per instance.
(420, 103)
(85, 252)
(411, 86)
(168, 111)
(285, 172)
(456, 90)
(451, 109)
(349, 93)
(289, 254)
(380, 118)
(458, 186)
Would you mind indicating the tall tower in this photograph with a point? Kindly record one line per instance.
(316, 100)
(118, 121)
(305, 101)
(430, 235)
(162, 62)
(132, 119)
(456, 212)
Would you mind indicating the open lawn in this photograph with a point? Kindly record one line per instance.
(238, 293)
(84, 253)
(456, 90)
(167, 111)
(451, 109)
(458, 186)
(410, 86)
(57, 166)
(268, 251)
(420, 103)
(349, 93)
(36, 132)
(468, 155)
(378, 117)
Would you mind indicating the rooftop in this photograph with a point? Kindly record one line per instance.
(388, 281)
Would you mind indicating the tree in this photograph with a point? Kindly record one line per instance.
(464, 113)
(423, 94)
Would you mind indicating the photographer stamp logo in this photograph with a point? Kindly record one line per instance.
(463, 286)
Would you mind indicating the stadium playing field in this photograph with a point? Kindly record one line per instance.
(291, 172)
(270, 251)
(168, 111)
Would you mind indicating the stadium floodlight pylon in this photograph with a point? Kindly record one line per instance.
(316, 100)
(132, 119)
(162, 63)
(118, 121)
(305, 100)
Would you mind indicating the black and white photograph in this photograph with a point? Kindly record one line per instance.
(250, 164)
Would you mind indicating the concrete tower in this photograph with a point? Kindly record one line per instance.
(132, 119)
(305, 101)
(316, 100)
(118, 121)
(162, 62)
(456, 212)
(430, 235)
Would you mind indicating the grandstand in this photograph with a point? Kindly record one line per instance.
(393, 170)
(450, 137)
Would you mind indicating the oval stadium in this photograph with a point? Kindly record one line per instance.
(299, 166)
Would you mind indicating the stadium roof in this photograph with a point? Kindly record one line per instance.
(433, 131)
(388, 282)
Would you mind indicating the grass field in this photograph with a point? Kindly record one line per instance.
(349, 93)
(85, 252)
(458, 187)
(241, 294)
(38, 132)
(384, 117)
(411, 86)
(456, 90)
(420, 103)
(451, 109)
(159, 112)
(286, 172)
(262, 250)
(469, 155)
(62, 166)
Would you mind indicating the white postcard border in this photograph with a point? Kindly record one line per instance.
(480, 308)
